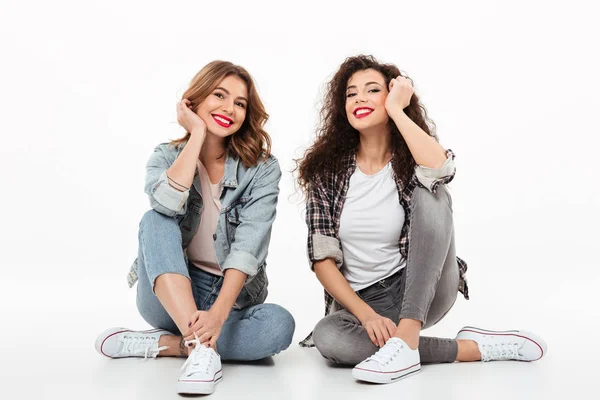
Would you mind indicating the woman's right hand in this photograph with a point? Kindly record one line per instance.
(379, 328)
(188, 119)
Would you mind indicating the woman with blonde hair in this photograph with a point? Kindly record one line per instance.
(381, 233)
(202, 248)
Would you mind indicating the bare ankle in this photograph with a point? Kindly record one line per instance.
(412, 342)
(468, 350)
(409, 331)
(175, 346)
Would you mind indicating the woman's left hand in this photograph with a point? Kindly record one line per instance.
(401, 90)
(207, 326)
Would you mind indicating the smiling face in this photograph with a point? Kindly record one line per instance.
(366, 92)
(224, 110)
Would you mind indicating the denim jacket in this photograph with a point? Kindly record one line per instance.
(248, 207)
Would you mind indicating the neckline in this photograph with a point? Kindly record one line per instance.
(382, 171)
(205, 171)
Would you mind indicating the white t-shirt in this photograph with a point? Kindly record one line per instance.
(370, 227)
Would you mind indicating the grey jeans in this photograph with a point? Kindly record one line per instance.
(424, 290)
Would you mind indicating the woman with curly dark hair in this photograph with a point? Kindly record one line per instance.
(381, 235)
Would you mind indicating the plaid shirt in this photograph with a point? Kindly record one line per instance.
(324, 205)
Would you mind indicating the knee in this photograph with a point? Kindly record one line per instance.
(423, 197)
(153, 221)
(287, 326)
(323, 338)
(329, 343)
(280, 329)
(339, 339)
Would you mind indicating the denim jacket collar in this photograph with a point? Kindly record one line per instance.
(230, 175)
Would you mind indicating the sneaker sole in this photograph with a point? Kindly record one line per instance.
(104, 336)
(199, 387)
(538, 341)
(384, 377)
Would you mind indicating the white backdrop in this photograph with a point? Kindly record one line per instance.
(89, 88)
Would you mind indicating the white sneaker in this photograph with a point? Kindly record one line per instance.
(505, 345)
(393, 361)
(123, 342)
(201, 371)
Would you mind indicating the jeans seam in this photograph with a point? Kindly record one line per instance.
(407, 267)
(214, 291)
(420, 314)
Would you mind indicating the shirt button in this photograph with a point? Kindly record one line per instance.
(214, 236)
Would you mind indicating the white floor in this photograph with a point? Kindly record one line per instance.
(48, 352)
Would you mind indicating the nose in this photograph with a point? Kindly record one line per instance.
(359, 99)
(228, 107)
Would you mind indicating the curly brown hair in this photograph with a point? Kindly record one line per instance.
(251, 142)
(336, 138)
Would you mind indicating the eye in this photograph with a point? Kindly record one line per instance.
(240, 104)
(350, 95)
(374, 90)
(219, 95)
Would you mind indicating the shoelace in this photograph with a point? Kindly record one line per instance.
(137, 345)
(197, 356)
(500, 351)
(386, 353)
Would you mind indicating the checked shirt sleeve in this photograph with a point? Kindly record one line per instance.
(322, 240)
(431, 178)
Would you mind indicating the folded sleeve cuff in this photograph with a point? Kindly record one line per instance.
(432, 177)
(169, 197)
(242, 261)
(326, 247)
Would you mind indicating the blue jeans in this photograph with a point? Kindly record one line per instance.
(251, 333)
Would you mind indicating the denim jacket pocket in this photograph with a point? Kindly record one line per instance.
(233, 218)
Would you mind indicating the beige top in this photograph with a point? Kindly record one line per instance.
(201, 250)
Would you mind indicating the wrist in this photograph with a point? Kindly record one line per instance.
(397, 114)
(365, 314)
(220, 312)
(198, 131)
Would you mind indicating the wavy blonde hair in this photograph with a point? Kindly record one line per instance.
(251, 142)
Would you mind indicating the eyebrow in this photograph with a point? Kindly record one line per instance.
(366, 84)
(227, 91)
